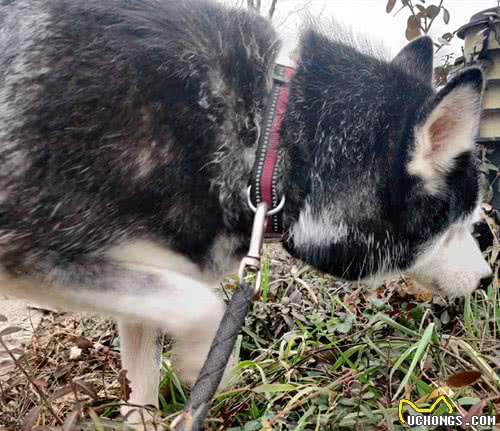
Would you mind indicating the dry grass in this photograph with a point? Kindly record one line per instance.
(316, 354)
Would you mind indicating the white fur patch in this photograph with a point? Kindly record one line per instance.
(145, 161)
(317, 228)
(175, 300)
(454, 264)
(150, 254)
(476, 216)
(141, 357)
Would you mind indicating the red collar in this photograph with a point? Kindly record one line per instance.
(264, 177)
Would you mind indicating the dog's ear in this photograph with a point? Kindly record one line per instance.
(416, 58)
(313, 47)
(447, 128)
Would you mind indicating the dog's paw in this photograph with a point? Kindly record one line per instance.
(188, 359)
(138, 419)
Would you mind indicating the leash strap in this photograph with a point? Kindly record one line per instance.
(213, 369)
(264, 176)
(263, 195)
(211, 374)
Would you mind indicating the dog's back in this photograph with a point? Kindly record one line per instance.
(120, 142)
(127, 138)
(110, 121)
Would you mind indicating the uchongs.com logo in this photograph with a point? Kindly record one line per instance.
(425, 416)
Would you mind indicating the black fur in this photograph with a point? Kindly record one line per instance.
(168, 84)
(349, 137)
(138, 118)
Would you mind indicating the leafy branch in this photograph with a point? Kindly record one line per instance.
(421, 17)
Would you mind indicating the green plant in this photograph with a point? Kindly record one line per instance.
(421, 17)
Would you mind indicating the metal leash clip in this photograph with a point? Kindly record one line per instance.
(252, 261)
(210, 376)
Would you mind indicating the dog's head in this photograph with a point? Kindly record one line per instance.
(382, 170)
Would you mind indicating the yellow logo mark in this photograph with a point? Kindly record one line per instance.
(430, 409)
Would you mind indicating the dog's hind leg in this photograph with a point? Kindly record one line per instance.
(143, 296)
(140, 347)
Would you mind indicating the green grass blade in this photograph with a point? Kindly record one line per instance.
(421, 347)
(401, 359)
(274, 387)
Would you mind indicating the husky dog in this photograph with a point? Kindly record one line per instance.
(127, 138)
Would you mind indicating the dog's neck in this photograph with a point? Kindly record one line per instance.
(238, 168)
(266, 173)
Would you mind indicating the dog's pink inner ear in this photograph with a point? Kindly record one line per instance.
(447, 131)
(441, 130)
(450, 128)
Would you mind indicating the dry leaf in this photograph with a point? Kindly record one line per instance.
(446, 16)
(61, 392)
(443, 390)
(63, 371)
(17, 351)
(424, 296)
(72, 419)
(475, 410)
(83, 343)
(125, 390)
(41, 383)
(266, 425)
(464, 378)
(415, 289)
(87, 388)
(432, 11)
(31, 418)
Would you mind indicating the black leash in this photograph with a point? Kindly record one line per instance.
(264, 192)
(213, 369)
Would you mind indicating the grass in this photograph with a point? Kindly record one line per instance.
(315, 354)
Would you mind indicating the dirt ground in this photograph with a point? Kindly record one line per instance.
(21, 315)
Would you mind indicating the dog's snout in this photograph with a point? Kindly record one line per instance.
(485, 282)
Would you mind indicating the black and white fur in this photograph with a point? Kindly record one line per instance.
(127, 137)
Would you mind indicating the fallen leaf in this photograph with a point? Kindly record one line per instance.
(415, 289)
(82, 343)
(72, 419)
(63, 371)
(424, 296)
(475, 410)
(41, 383)
(125, 390)
(31, 418)
(442, 390)
(464, 378)
(61, 392)
(87, 388)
